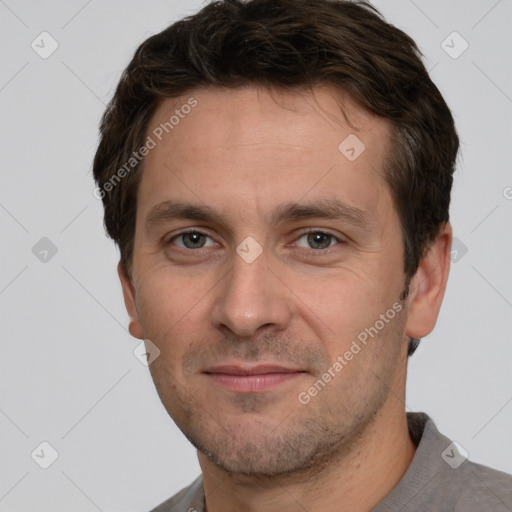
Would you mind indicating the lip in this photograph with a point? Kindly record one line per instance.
(255, 379)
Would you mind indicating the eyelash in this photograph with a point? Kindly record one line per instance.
(311, 252)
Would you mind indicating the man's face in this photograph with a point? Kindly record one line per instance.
(244, 335)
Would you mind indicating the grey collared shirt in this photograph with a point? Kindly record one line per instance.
(439, 479)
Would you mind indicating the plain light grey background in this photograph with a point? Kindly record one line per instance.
(68, 373)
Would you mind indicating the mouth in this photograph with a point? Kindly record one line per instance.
(256, 379)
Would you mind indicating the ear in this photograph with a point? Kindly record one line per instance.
(428, 286)
(135, 327)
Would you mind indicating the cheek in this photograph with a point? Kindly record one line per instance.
(341, 297)
(343, 308)
(171, 309)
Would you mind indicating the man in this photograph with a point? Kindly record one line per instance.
(277, 175)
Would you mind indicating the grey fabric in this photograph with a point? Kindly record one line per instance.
(439, 479)
(432, 484)
(189, 499)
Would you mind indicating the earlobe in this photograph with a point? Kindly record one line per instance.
(129, 295)
(428, 286)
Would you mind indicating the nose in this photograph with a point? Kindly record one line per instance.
(251, 298)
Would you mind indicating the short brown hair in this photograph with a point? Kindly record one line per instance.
(289, 44)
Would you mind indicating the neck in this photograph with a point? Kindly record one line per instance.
(353, 481)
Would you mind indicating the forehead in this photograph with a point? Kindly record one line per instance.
(251, 114)
(265, 145)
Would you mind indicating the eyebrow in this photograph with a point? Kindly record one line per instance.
(329, 209)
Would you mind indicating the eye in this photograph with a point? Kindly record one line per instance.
(191, 240)
(318, 240)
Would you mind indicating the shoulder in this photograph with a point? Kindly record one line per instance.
(189, 499)
(470, 486)
(441, 477)
(484, 489)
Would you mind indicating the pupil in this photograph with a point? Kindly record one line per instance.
(194, 237)
(316, 238)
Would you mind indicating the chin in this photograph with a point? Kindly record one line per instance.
(264, 452)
